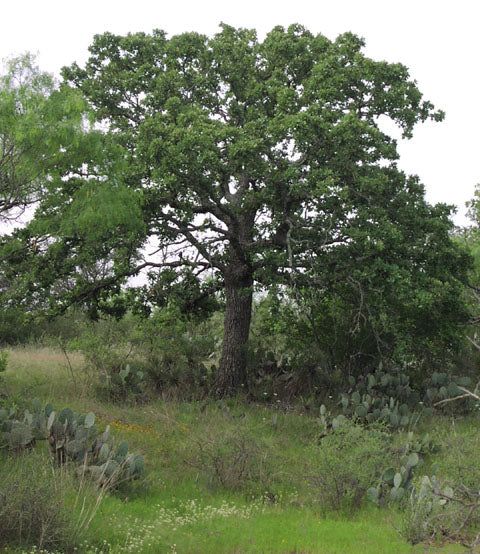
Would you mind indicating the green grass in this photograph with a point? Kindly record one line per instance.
(267, 529)
(182, 506)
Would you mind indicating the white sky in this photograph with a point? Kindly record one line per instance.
(437, 40)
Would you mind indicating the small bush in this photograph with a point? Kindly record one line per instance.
(34, 503)
(104, 345)
(235, 460)
(438, 511)
(135, 357)
(459, 460)
(173, 350)
(346, 463)
(414, 526)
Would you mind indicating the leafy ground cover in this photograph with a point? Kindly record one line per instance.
(229, 476)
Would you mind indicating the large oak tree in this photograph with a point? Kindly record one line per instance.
(251, 162)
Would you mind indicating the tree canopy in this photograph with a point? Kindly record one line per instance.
(38, 122)
(43, 137)
(253, 163)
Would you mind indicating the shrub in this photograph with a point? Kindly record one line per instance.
(136, 356)
(414, 526)
(438, 511)
(104, 345)
(112, 359)
(235, 460)
(173, 350)
(459, 460)
(346, 463)
(34, 503)
(15, 326)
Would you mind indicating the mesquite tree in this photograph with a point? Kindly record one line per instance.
(256, 162)
(38, 122)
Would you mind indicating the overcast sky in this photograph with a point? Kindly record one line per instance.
(437, 40)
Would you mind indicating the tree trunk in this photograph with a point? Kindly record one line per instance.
(238, 275)
(232, 374)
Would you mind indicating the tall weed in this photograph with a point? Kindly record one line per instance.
(41, 505)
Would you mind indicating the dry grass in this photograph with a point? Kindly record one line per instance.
(38, 358)
(46, 373)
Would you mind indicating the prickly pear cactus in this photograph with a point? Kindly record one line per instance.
(72, 437)
(381, 396)
(395, 482)
(442, 386)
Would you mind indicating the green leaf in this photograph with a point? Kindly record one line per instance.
(65, 415)
(389, 475)
(89, 419)
(122, 448)
(104, 453)
(372, 495)
(413, 459)
(361, 411)
(338, 421)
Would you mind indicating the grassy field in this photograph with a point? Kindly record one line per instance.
(226, 476)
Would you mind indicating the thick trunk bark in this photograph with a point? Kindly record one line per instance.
(232, 375)
(238, 275)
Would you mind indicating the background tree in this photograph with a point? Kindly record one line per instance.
(252, 162)
(42, 133)
(469, 238)
(38, 122)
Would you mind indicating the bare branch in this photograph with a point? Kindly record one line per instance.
(467, 394)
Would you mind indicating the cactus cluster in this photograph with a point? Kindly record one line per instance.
(127, 381)
(441, 386)
(72, 437)
(432, 490)
(130, 376)
(394, 483)
(381, 397)
(18, 434)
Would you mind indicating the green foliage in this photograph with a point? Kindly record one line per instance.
(129, 383)
(458, 463)
(308, 346)
(257, 163)
(15, 326)
(38, 122)
(47, 140)
(103, 343)
(174, 351)
(396, 482)
(436, 511)
(441, 386)
(111, 359)
(279, 361)
(420, 507)
(138, 356)
(346, 463)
